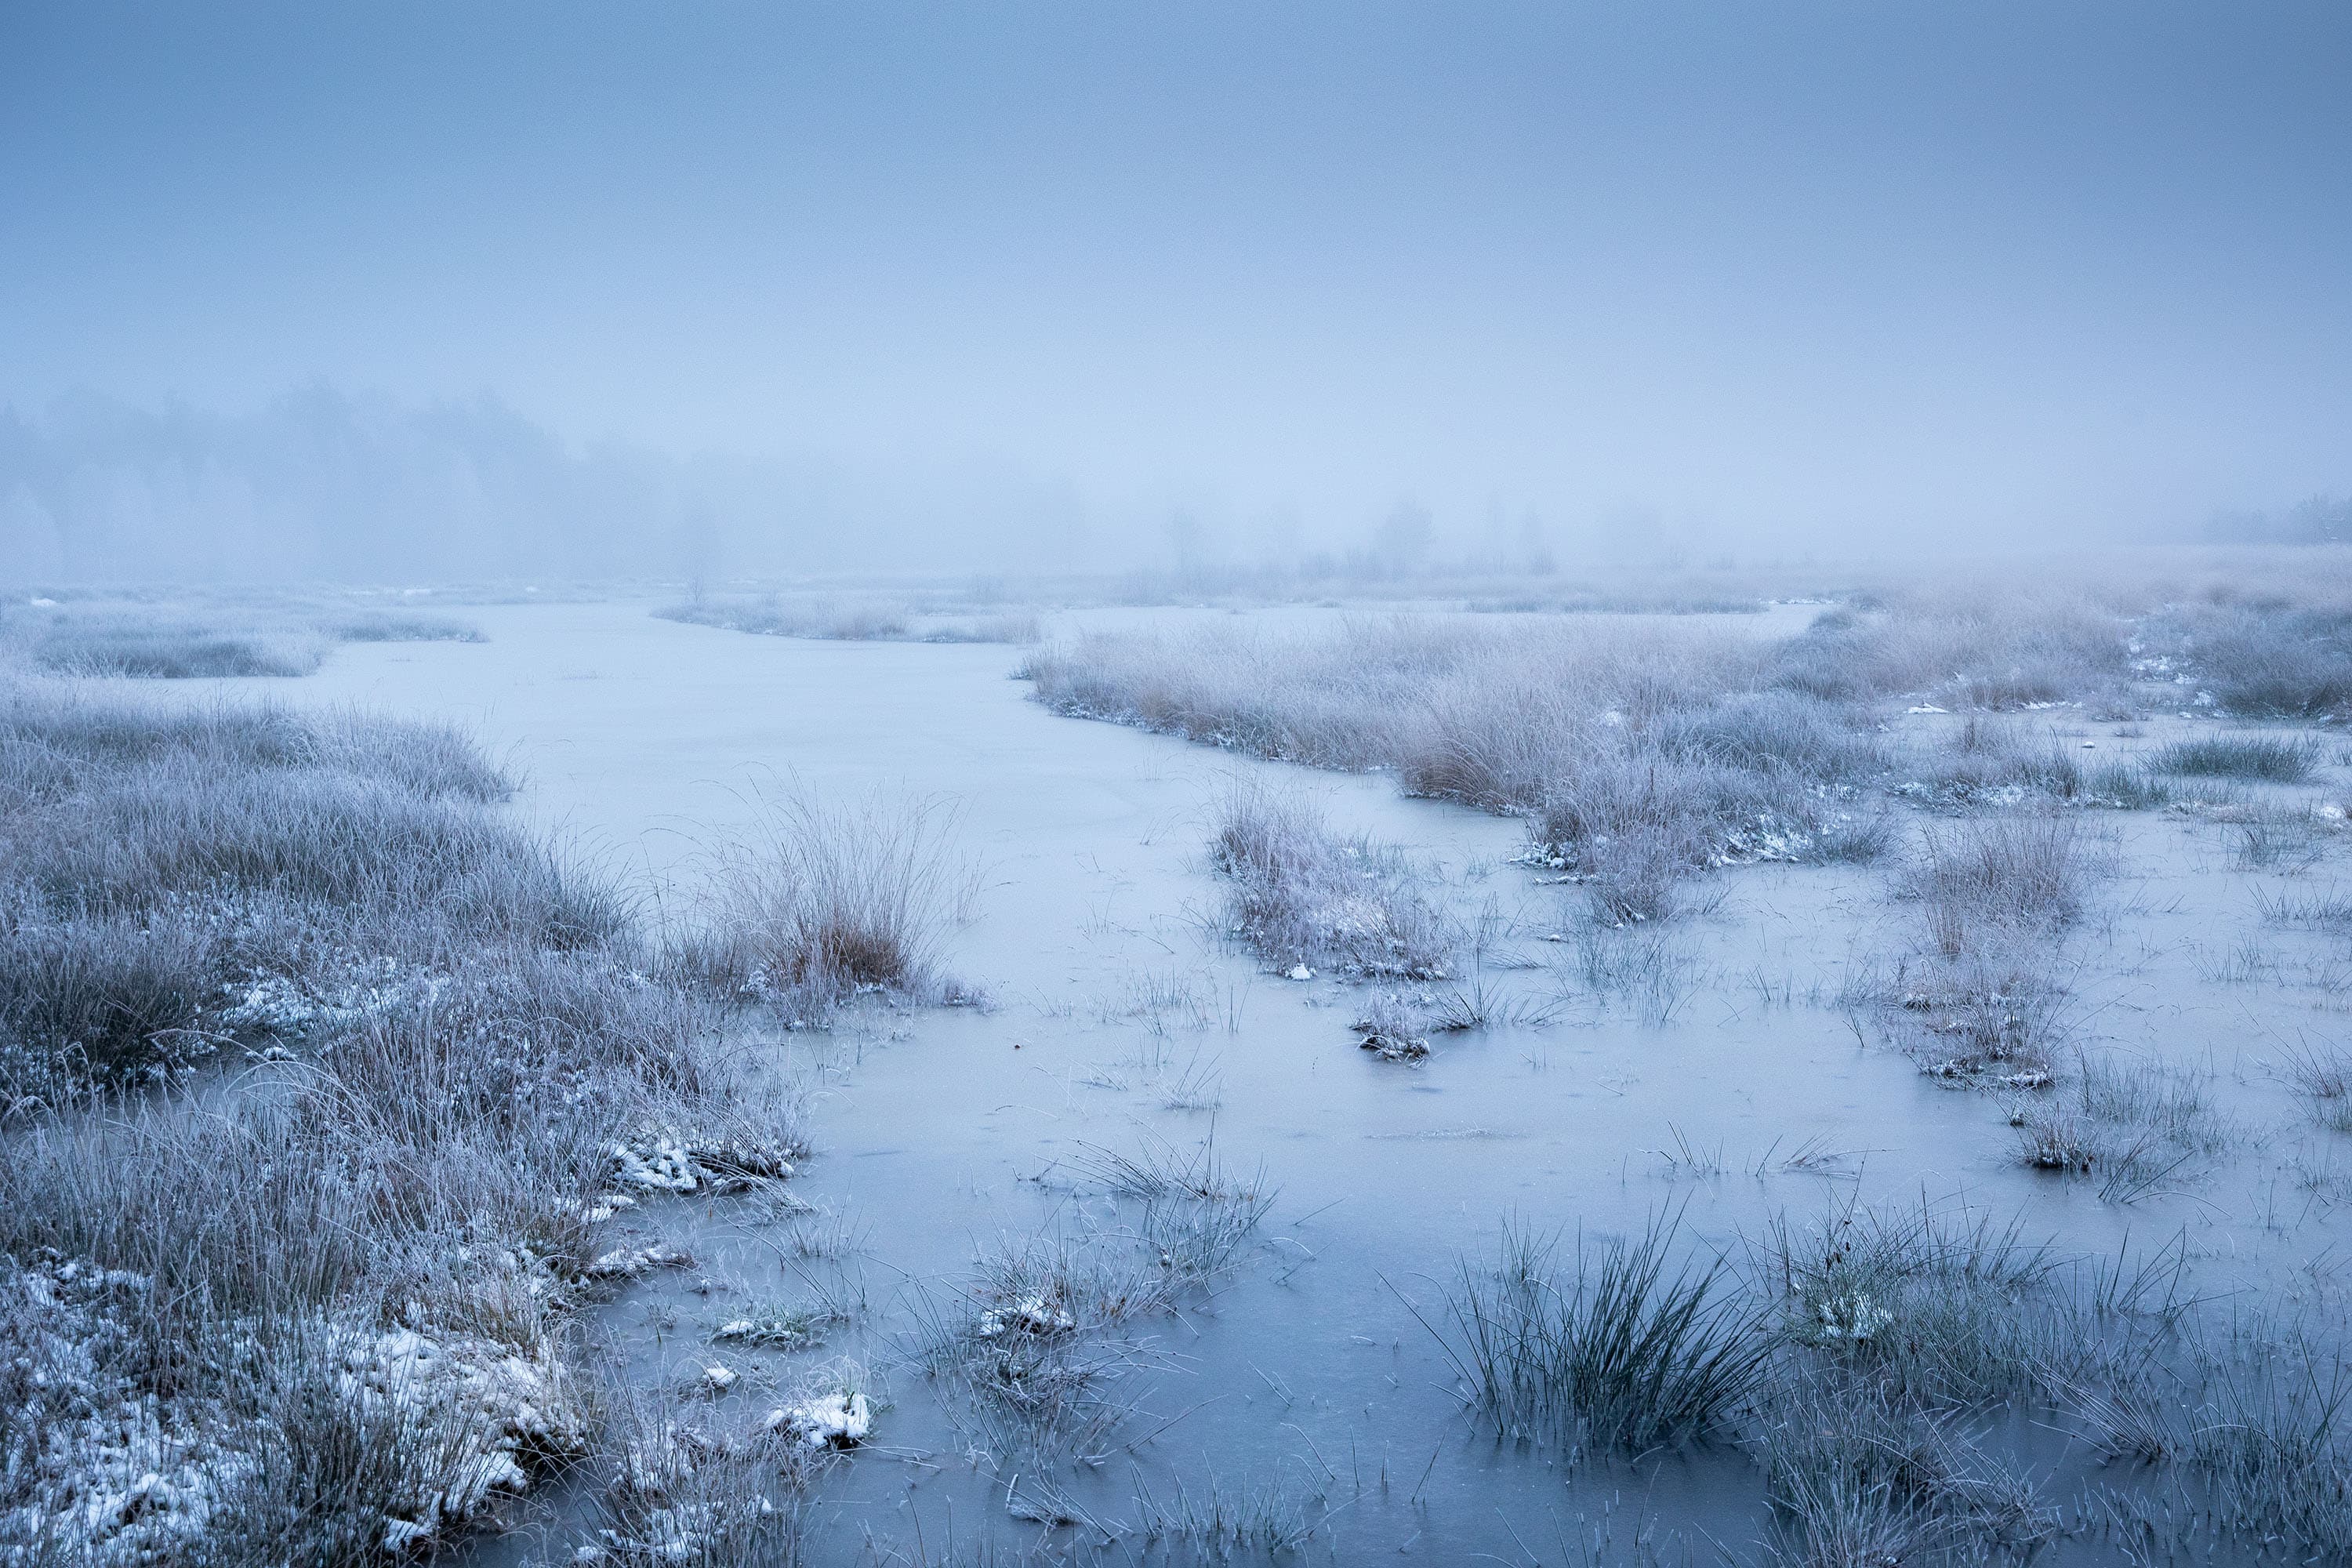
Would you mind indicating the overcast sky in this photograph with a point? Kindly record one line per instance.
(1878, 267)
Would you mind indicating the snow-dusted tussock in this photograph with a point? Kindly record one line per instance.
(1303, 896)
(1032, 1314)
(488, 1410)
(837, 1420)
(686, 1491)
(665, 1160)
(282, 1007)
(630, 1262)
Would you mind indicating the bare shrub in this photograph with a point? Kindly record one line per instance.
(834, 897)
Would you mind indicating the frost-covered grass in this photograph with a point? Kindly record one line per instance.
(1984, 995)
(1304, 897)
(314, 1307)
(822, 898)
(2028, 875)
(1617, 1345)
(2264, 658)
(698, 1488)
(2275, 758)
(1863, 1360)
(2136, 1125)
(852, 620)
(177, 881)
(174, 641)
(1638, 756)
(1642, 754)
(2322, 1074)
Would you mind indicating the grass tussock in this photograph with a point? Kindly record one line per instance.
(1985, 998)
(2321, 1073)
(1903, 1330)
(1615, 1345)
(2266, 659)
(1302, 896)
(822, 897)
(2138, 1126)
(689, 1486)
(1870, 1357)
(2273, 759)
(2001, 874)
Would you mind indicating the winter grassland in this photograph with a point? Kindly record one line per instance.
(329, 1089)
(1919, 1383)
(340, 1102)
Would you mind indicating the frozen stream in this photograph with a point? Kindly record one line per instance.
(638, 734)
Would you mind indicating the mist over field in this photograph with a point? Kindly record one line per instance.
(1030, 785)
(602, 289)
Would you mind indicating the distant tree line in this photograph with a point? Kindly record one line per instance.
(325, 484)
(2320, 520)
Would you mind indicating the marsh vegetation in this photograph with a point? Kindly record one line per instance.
(1868, 1077)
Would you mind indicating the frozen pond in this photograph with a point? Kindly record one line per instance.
(940, 1132)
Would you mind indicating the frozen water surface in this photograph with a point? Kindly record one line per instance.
(938, 1134)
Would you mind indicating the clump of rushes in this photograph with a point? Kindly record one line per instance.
(1613, 1345)
(2273, 759)
(2322, 1074)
